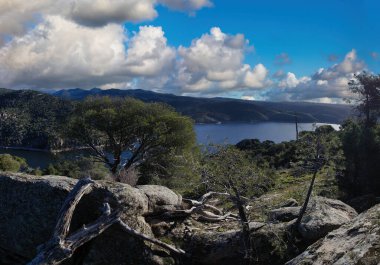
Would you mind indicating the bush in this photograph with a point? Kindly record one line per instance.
(12, 163)
(79, 168)
(361, 146)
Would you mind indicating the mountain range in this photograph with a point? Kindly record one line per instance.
(226, 110)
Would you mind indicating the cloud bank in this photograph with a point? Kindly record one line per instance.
(327, 84)
(85, 43)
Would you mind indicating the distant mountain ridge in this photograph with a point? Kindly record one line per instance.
(226, 110)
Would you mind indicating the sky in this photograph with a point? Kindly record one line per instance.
(256, 50)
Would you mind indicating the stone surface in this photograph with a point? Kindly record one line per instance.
(225, 248)
(355, 243)
(284, 214)
(290, 203)
(28, 213)
(324, 215)
(160, 198)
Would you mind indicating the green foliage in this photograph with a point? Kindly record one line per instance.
(36, 172)
(227, 169)
(367, 89)
(319, 149)
(361, 145)
(269, 153)
(181, 173)
(78, 168)
(12, 163)
(136, 134)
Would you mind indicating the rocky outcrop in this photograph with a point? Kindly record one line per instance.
(283, 214)
(29, 206)
(355, 243)
(160, 199)
(28, 213)
(225, 248)
(322, 216)
(270, 240)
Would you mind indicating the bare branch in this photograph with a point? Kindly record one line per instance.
(134, 233)
(66, 213)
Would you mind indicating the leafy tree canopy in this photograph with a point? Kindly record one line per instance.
(127, 133)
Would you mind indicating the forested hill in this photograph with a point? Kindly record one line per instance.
(213, 110)
(31, 119)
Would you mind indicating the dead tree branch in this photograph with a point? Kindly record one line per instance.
(61, 246)
(132, 232)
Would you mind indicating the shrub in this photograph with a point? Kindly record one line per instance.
(12, 163)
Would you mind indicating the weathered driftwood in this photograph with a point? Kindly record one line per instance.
(205, 212)
(62, 245)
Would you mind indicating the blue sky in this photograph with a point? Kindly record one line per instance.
(264, 50)
(308, 31)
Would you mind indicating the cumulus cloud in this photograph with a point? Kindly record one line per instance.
(102, 12)
(148, 53)
(58, 53)
(83, 43)
(215, 61)
(94, 13)
(327, 84)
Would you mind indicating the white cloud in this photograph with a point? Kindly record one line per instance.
(257, 77)
(58, 53)
(83, 43)
(214, 62)
(148, 53)
(326, 83)
(102, 12)
(290, 81)
(17, 16)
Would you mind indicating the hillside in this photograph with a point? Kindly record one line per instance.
(31, 119)
(225, 110)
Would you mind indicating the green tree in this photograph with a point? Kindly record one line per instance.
(227, 169)
(316, 150)
(367, 89)
(361, 146)
(126, 134)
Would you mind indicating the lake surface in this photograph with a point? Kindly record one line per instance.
(206, 133)
(234, 133)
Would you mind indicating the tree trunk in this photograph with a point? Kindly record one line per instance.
(248, 257)
(307, 199)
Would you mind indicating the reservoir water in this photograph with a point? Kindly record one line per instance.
(206, 133)
(233, 133)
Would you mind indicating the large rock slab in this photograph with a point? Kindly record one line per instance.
(283, 214)
(324, 215)
(160, 198)
(355, 243)
(28, 212)
(227, 247)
